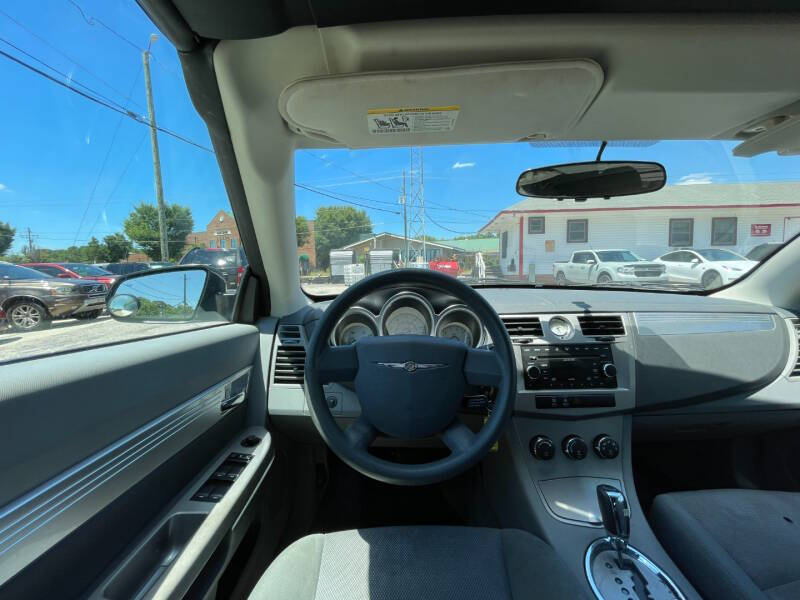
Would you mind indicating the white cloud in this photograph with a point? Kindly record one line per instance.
(88, 139)
(463, 165)
(3, 187)
(695, 179)
(105, 218)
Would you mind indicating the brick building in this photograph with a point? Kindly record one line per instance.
(309, 248)
(221, 232)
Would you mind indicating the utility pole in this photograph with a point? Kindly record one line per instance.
(405, 219)
(416, 219)
(151, 114)
(30, 244)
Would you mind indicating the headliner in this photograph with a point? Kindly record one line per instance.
(247, 19)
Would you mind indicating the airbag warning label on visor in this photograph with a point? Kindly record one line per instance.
(427, 119)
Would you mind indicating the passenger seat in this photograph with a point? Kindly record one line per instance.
(733, 544)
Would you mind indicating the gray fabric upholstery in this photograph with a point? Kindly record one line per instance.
(733, 544)
(415, 563)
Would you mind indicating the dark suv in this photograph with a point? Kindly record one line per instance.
(228, 263)
(30, 299)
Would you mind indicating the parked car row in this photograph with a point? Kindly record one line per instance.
(709, 268)
(31, 299)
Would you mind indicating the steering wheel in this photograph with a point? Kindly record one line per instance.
(410, 386)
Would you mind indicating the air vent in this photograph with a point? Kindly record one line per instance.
(521, 326)
(796, 371)
(290, 335)
(290, 364)
(601, 325)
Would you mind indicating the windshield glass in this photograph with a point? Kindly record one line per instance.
(212, 257)
(618, 256)
(86, 270)
(364, 211)
(8, 271)
(719, 255)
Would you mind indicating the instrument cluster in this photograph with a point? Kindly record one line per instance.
(409, 313)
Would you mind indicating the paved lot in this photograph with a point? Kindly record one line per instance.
(71, 334)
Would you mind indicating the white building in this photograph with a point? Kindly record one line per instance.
(737, 216)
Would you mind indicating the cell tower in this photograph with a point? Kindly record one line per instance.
(416, 206)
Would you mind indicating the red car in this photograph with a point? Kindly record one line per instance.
(74, 271)
(444, 266)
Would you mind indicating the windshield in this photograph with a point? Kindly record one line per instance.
(455, 209)
(719, 255)
(618, 256)
(8, 271)
(86, 270)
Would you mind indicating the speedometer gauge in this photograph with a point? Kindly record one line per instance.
(456, 331)
(406, 320)
(561, 328)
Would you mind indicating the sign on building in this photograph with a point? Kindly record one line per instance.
(760, 229)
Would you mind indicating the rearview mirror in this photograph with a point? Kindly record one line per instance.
(598, 179)
(177, 294)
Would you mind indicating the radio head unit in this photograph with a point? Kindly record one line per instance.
(568, 366)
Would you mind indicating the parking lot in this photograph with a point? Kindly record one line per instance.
(72, 334)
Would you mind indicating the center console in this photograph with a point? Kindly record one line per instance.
(570, 436)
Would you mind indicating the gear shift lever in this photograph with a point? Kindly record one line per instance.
(616, 517)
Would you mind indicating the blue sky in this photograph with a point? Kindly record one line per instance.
(70, 169)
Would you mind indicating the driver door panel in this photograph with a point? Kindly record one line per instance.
(96, 444)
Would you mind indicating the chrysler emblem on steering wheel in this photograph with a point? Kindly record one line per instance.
(411, 366)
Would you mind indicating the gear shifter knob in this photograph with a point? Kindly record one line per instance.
(615, 512)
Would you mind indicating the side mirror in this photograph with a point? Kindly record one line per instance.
(591, 261)
(695, 261)
(64, 276)
(171, 295)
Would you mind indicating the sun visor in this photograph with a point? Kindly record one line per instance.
(459, 105)
(783, 138)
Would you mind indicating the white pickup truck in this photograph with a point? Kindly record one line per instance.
(604, 266)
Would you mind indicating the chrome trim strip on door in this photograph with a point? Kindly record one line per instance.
(36, 521)
(678, 323)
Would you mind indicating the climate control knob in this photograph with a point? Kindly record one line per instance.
(609, 370)
(542, 447)
(574, 447)
(605, 446)
(533, 372)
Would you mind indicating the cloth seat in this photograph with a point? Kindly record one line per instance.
(733, 544)
(416, 563)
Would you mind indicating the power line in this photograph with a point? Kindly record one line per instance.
(65, 55)
(99, 101)
(346, 170)
(447, 228)
(116, 186)
(105, 161)
(64, 75)
(304, 187)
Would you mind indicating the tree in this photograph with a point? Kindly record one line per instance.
(7, 233)
(95, 251)
(117, 247)
(142, 227)
(303, 231)
(337, 226)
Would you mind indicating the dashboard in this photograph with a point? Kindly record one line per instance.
(584, 353)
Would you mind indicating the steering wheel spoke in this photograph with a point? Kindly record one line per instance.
(458, 437)
(338, 363)
(482, 367)
(361, 433)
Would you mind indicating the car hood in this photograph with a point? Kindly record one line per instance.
(736, 265)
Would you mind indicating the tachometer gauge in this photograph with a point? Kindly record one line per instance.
(405, 320)
(456, 331)
(561, 328)
(353, 332)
